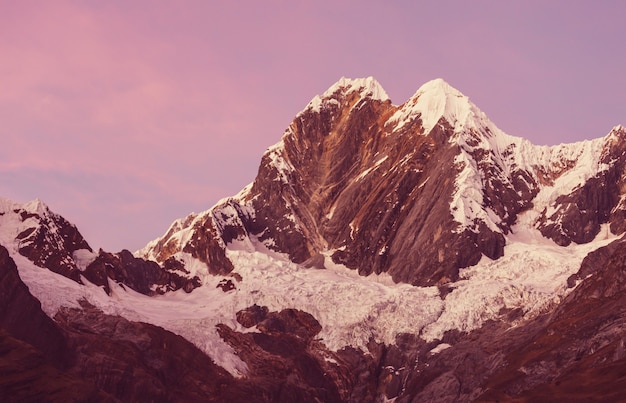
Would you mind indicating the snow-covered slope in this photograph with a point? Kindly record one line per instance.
(352, 309)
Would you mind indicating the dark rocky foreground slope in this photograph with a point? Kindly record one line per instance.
(86, 355)
(574, 353)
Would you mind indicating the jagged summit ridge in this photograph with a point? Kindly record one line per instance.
(418, 190)
(435, 100)
(367, 87)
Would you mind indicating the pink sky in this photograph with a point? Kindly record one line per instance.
(125, 115)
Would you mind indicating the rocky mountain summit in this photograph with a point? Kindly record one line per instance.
(419, 190)
(384, 252)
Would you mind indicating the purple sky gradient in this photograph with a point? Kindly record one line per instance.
(124, 115)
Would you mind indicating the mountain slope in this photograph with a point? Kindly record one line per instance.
(407, 252)
(419, 190)
(49, 241)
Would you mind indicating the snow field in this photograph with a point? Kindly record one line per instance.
(352, 309)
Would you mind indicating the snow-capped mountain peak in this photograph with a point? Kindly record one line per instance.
(618, 132)
(45, 238)
(437, 99)
(458, 235)
(365, 87)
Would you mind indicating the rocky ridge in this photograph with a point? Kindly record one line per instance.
(51, 242)
(419, 190)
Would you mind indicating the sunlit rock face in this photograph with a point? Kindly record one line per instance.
(418, 190)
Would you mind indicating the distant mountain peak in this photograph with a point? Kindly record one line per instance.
(617, 131)
(36, 206)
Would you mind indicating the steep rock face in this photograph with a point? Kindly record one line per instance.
(418, 190)
(380, 186)
(139, 362)
(35, 355)
(48, 240)
(577, 216)
(203, 236)
(21, 315)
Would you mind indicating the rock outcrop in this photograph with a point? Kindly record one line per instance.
(51, 242)
(146, 277)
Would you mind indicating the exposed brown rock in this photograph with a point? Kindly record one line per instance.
(283, 360)
(29, 376)
(50, 242)
(140, 362)
(226, 285)
(206, 246)
(141, 275)
(252, 315)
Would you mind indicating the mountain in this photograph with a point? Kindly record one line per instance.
(408, 252)
(418, 191)
(49, 241)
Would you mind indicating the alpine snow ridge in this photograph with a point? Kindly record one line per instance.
(383, 252)
(418, 191)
